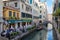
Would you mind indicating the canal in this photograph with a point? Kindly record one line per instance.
(40, 35)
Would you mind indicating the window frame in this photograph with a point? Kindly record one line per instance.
(10, 13)
(16, 4)
(14, 14)
(40, 16)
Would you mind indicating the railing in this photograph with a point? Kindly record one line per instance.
(10, 18)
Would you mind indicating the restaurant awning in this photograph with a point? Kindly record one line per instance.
(16, 21)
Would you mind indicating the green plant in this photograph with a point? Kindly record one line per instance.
(31, 28)
(13, 34)
(12, 17)
(28, 28)
(57, 13)
(59, 30)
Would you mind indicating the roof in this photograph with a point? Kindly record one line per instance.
(12, 8)
(10, 0)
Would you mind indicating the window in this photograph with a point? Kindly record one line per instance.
(43, 16)
(23, 1)
(27, 1)
(14, 14)
(40, 11)
(31, 10)
(54, 7)
(35, 17)
(15, 4)
(30, 1)
(17, 14)
(36, 4)
(40, 22)
(10, 13)
(27, 8)
(28, 16)
(40, 16)
(22, 6)
(40, 6)
(4, 4)
(59, 4)
(23, 14)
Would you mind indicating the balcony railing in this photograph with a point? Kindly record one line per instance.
(11, 18)
(22, 1)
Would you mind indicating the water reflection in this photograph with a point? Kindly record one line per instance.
(50, 32)
(49, 26)
(36, 35)
(50, 35)
(40, 35)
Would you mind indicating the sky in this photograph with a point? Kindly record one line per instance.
(50, 6)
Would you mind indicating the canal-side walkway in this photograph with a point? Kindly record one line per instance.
(23, 34)
(56, 33)
(19, 36)
(3, 38)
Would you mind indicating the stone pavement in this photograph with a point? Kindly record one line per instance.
(58, 35)
(2, 38)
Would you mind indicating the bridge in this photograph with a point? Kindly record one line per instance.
(47, 22)
(54, 25)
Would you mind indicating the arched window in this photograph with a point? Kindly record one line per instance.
(40, 21)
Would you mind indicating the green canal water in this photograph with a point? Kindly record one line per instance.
(40, 35)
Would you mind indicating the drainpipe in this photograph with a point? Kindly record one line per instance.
(32, 17)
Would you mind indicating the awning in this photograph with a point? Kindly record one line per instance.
(26, 20)
(16, 21)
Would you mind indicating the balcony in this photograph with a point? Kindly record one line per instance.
(23, 1)
(11, 18)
